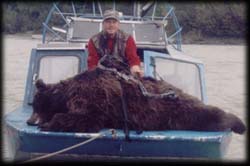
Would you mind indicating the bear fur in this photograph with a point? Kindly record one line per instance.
(93, 100)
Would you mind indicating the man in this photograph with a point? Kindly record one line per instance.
(114, 42)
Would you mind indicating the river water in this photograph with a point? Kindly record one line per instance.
(225, 74)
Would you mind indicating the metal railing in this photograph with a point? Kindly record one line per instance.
(138, 15)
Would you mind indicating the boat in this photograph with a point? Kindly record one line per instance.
(63, 53)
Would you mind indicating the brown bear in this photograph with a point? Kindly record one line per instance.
(102, 98)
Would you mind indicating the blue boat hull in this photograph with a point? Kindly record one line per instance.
(27, 141)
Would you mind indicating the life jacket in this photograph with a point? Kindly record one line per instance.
(100, 41)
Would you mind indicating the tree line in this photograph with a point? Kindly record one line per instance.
(217, 19)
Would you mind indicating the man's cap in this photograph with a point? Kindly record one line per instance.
(111, 14)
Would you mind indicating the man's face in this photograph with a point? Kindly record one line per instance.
(111, 26)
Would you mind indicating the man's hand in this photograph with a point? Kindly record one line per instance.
(136, 71)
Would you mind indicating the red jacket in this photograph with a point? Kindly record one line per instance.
(130, 53)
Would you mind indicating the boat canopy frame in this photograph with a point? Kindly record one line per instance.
(140, 14)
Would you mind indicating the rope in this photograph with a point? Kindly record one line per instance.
(125, 114)
(170, 94)
(65, 149)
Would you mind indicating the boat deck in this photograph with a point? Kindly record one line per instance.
(159, 144)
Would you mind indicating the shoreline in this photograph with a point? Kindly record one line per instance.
(215, 41)
(186, 39)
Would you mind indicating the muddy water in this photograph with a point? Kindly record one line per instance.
(224, 69)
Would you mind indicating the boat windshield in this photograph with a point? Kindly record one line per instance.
(180, 74)
(55, 68)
